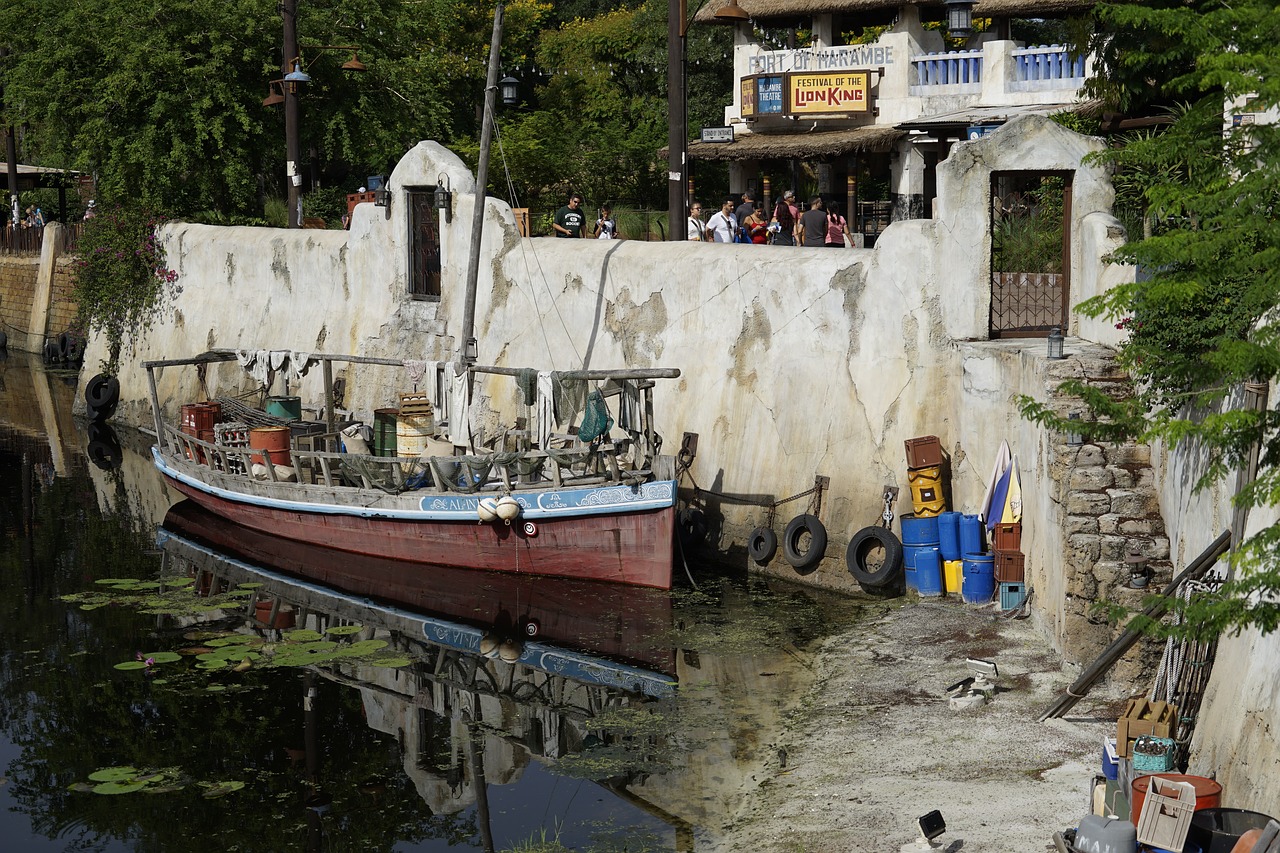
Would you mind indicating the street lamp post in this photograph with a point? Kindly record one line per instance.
(292, 146)
(677, 112)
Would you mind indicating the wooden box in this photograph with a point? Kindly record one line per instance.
(924, 451)
(1144, 717)
(1010, 567)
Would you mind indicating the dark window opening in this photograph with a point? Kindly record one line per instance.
(424, 244)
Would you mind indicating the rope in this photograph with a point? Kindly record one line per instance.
(772, 505)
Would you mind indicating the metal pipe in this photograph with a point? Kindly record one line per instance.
(677, 129)
(292, 144)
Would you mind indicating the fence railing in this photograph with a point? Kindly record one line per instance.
(947, 69)
(1046, 62)
(29, 241)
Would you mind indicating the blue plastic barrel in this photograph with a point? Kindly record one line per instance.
(970, 535)
(978, 586)
(929, 572)
(949, 535)
(919, 530)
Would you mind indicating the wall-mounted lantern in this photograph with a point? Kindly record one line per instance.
(443, 198)
(960, 18)
(382, 197)
(1139, 574)
(1075, 438)
(1056, 341)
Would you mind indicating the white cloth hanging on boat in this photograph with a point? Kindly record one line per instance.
(431, 371)
(629, 405)
(299, 364)
(459, 405)
(546, 408)
(256, 363)
(416, 370)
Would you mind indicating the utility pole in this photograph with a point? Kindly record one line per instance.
(292, 170)
(11, 157)
(677, 131)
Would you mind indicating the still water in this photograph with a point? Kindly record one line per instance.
(167, 685)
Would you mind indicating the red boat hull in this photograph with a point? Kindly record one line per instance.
(633, 548)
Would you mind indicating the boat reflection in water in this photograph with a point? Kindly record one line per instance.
(506, 668)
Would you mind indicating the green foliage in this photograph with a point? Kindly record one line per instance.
(121, 276)
(1028, 235)
(1201, 315)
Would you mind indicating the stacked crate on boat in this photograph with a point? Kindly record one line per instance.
(199, 419)
(415, 424)
(924, 474)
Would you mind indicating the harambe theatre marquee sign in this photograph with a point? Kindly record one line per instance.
(843, 93)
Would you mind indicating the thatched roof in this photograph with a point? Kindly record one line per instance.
(763, 10)
(818, 144)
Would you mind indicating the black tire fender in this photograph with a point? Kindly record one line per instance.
(862, 544)
(805, 562)
(692, 526)
(104, 448)
(762, 545)
(50, 351)
(102, 391)
(64, 347)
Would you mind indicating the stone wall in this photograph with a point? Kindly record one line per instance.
(29, 304)
(17, 288)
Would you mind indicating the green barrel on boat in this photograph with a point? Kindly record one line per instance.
(289, 408)
(412, 433)
(384, 431)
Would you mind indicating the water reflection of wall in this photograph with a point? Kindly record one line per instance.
(37, 403)
(135, 487)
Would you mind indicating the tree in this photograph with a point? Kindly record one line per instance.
(1202, 314)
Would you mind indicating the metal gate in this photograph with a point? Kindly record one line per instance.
(1030, 253)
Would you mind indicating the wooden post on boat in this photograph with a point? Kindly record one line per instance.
(468, 348)
(155, 407)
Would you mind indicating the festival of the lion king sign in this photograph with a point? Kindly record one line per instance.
(808, 93)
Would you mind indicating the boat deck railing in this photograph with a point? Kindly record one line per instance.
(499, 472)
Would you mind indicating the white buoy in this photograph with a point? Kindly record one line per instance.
(508, 508)
(487, 510)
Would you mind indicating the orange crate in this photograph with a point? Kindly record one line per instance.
(924, 451)
(1008, 537)
(1010, 567)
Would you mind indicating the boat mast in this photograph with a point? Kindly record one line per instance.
(468, 342)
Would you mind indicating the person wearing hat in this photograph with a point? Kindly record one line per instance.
(91, 210)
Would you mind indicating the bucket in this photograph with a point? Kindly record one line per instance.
(979, 583)
(412, 432)
(384, 431)
(272, 438)
(929, 572)
(970, 535)
(1215, 830)
(919, 530)
(289, 408)
(949, 535)
(1208, 792)
(926, 490)
(952, 575)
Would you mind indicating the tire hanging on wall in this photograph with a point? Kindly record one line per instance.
(762, 545)
(805, 562)
(691, 525)
(101, 394)
(64, 347)
(862, 544)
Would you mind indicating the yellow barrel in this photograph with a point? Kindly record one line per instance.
(926, 490)
(412, 433)
(953, 575)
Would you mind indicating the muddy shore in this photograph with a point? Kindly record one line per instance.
(874, 744)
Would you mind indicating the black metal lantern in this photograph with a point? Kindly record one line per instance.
(1075, 438)
(1055, 342)
(510, 89)
(1139, 576)
(443, 198)
(382, 197)
(960, 18)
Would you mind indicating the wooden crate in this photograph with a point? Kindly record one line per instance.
(924, 451)
(1144, 717)
(416, 404)
(1010, 567)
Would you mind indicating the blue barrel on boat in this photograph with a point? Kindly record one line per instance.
(970, 535)
(919, 530)
(978, 585)
(929, 572)
(949, 535)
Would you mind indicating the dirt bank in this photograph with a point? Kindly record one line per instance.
(875, 744)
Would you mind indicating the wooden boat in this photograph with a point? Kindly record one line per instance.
(621, 623)
(600, 510)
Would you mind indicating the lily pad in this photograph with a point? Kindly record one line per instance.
(118, 787)
(113, 774)
(215, 688)
(248, 586)
(213, 790)
(163, 657)
(365, 647)
(132, 664)
(392, 663)
(302, 636)
(344, 630)
(114, 581)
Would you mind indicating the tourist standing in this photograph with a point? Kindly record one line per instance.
(91, 210)
(813, 224)
(757, 229)
(695, 227)
(606, 226)
(570, 221)
(783, 225)
(837, 228)
(722, 226)
(748, 206)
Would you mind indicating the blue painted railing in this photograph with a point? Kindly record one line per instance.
(946, 69)
(1046, 62)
